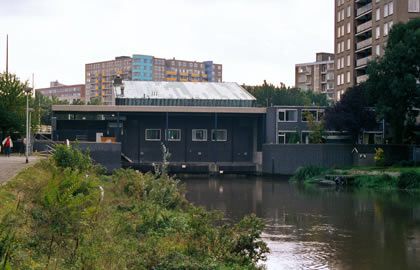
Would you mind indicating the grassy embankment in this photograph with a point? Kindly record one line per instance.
(64, 213)
(391, 178)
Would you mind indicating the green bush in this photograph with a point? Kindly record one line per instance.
(72, 158)
(307, 172)
(409, 180)
(383, 181)
(70, 219)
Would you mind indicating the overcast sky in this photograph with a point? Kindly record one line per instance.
(253, 39)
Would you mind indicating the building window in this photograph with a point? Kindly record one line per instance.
(348, 60)
(385, 29)
(153, 135)
(413, 5)
(386, 11)
(391, 8)
(219, 135)
(348, 11)
(348, 76)
(378, 14)
(348, 28)
(378, 32)
(173, 135)
(378, 50)
(306, 113)
(287, 115)
(199, 135)
(288, 137)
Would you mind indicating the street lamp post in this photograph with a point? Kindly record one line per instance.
(28, 91)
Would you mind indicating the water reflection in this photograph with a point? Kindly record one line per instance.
(311, 228)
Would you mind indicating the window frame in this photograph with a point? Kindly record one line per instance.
(285, 115)
(173, 140)
(216, 140)
(194, 138)
(152, 140)
(283, 133)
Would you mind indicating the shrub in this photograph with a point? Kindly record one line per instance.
(72, 158)
(405, 163)
(307, 172)
(383, 181)
(409, 180)
(379, 157)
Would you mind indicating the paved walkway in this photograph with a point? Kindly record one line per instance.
(11, 166)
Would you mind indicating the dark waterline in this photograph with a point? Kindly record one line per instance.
(313, 228)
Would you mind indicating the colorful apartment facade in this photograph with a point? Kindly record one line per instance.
(139, 67)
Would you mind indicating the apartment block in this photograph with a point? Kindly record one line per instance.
(317, 76)
(150, 68)
(69, 93)
(361, 33)
(99, 77)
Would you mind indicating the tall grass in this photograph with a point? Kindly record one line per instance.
(308, 172)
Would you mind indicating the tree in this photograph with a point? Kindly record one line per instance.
(270, 95)
(42, 109)
(12, 103)
(393, 83)
(95, 101)
(352, 114)
(316, 128)
(77, 102)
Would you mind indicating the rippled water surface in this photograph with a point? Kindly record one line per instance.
(313, 228)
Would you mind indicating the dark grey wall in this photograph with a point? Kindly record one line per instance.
(237, 148)
(106, 154)
(271, 119)
(287, 158)
(243, 132)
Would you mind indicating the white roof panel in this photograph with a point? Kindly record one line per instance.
(185, 90)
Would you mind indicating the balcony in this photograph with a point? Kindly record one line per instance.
(364, 26)
(170, 72)
(363, 44)
(361, 79)
(364, 9)
(363, 61)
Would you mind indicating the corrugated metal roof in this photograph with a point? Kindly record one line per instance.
(185, 90)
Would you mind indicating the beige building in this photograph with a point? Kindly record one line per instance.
(69, 93)
(361, 32)
(99, 77)
(317, 76)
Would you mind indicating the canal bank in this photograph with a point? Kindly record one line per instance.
(320, 228)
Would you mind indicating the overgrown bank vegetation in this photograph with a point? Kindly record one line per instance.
(63, 213)
(388, 178)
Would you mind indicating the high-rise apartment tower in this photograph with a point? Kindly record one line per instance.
(317, 76)
(361, 32)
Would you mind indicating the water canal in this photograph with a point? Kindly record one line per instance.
(319, 228)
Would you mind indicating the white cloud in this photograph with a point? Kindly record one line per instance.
(253, 39)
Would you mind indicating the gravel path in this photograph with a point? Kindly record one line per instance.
(11, 166)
